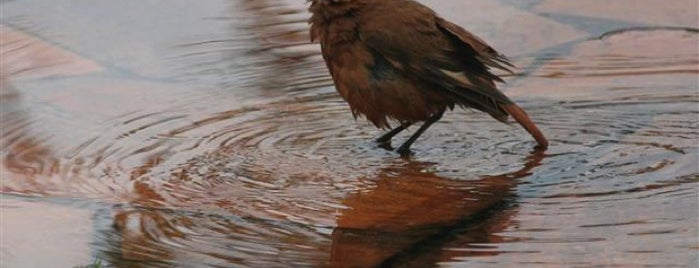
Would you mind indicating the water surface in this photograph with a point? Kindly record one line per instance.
(166, 134)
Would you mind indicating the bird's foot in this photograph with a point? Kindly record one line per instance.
(404, 151)
(385, 145)
(386, 137)
(382, 140)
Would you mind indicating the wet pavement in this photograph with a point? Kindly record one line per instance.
(173, 134)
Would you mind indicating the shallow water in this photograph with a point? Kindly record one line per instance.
(160, 134)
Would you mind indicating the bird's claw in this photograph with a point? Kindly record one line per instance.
(382, 140)
(385, 145)
(404, 152)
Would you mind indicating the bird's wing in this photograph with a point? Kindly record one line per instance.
(483, 52)
(443, 54)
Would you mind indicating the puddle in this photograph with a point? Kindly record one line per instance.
(226, 145)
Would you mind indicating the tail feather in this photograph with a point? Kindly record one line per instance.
(523, 119)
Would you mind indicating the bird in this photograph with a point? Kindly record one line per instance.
(398, 61)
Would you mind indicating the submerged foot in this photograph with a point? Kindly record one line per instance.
(383, 140)
(404, 151)
(385, 145)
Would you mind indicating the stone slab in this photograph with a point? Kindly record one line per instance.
(651, 12)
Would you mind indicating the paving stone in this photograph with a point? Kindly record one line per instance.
(510, 30)
(25, 56)
(124, 35)
(650, 12)
(45, 235)
(617, 65)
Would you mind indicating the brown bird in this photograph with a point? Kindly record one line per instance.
(397, 60)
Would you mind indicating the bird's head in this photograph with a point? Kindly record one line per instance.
(329, 2)
(327, 9)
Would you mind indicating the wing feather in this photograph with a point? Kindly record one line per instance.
(456, 62)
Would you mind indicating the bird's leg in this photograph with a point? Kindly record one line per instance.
(405, 148)
(387, 137)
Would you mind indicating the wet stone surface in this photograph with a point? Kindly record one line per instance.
(166, 134)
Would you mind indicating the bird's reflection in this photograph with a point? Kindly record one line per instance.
(409, 217)
(412, 211)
